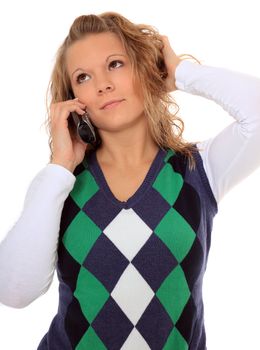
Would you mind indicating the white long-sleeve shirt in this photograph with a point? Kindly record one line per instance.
(28, 253)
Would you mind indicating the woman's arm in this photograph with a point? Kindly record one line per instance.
(234, 153)
(28, 252)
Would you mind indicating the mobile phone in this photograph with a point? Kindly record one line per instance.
(82, 125)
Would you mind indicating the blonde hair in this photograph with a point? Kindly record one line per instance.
(143, 44)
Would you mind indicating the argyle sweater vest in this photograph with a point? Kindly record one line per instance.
(131, 272)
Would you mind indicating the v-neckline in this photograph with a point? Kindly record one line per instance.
(95, 168)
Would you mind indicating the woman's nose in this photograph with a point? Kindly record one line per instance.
(104, 85)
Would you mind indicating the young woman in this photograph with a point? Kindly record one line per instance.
(127, 220)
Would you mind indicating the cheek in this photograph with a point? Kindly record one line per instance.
(95, 119)
(138, 97)
(138, 91)
(84, 93)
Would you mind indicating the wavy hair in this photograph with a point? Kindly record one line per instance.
(143, 43)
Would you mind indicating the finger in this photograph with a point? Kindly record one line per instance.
(164, 39)
(61, 111)
(76, 101)
(69, 103)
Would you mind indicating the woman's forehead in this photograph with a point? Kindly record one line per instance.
(97, 43)
(94, 48)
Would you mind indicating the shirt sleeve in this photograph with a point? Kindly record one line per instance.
(28, 253)
(233, 154)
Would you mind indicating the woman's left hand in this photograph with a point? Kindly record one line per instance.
(171, 61)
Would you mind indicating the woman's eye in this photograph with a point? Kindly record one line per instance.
(116, 64)
(81, 78)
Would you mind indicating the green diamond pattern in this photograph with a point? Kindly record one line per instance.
(90, 341)
(175, 341)
(80, 193)
(176, 233)
(174, 293)
(90, 293)
(167, 175)
(80, 236)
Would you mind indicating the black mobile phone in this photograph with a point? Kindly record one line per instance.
(82, 125)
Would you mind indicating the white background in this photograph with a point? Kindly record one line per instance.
(220, 33)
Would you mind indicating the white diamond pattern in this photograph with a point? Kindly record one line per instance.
(132, 293)
(135, 341)
(129, 239)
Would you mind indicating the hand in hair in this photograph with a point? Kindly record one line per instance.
(171, 61)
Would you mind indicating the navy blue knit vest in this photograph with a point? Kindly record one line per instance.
(131, 272)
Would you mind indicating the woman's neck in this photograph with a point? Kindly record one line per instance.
(127, 148)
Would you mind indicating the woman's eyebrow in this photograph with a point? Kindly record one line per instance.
(114, 54)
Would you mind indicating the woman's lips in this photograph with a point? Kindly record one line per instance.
(112, 104)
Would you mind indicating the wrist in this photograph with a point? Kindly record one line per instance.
(66, 164)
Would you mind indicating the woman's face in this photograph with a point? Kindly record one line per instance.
(100, 71)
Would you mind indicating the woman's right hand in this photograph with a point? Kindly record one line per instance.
(67, 150)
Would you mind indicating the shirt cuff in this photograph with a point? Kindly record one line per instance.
(184, 70)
